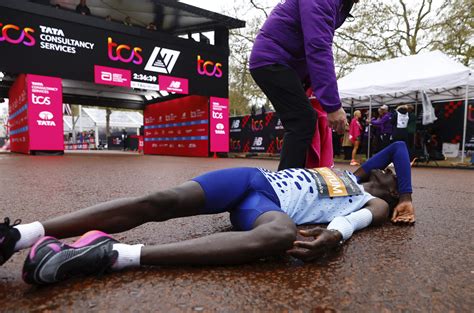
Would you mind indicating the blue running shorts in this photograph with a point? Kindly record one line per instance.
(242, 191)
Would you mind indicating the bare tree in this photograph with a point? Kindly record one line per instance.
(388, 29)
(456, 30)
(243, 91)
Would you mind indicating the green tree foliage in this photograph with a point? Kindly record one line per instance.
(386, 29)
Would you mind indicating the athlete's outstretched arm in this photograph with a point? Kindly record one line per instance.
(273, 233)
(397, 153)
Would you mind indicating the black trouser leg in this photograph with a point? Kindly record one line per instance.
(283, 88)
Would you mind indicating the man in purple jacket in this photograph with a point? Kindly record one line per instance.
(295, 46)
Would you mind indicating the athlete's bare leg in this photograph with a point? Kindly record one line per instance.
(124, 214)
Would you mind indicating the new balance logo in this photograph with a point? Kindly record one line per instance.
(162, 60)
(175, 84)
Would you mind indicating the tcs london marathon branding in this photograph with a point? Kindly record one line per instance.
(109, 57)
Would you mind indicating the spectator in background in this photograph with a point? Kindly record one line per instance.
(411, 129)
(82, 8)
(346, 143)
(151, 26)
(384, 126)
(127, 21)
(400, 123)
(124, 139)
(355, 135)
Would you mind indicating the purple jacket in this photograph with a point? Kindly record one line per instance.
(299, 34)
(384, 124)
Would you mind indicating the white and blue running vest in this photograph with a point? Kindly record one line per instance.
(299, 197)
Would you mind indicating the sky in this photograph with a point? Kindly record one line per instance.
(211, 5)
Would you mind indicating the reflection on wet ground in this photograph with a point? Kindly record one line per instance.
(428, 267)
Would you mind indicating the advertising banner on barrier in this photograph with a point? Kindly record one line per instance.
(18, 115)
(470, 126)
(45, 112)
(177, 127)
(449, 125)
(256, 134)
(219, 121)
(57, 47)
(35, 114)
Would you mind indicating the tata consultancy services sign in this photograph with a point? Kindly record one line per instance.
(36, 117)
(219, 124)
(31, 43)
(45, 113)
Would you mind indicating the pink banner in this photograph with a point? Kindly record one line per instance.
(219, 124)
(45, 115)
(173, 84)
(112, 76)
(18, 115)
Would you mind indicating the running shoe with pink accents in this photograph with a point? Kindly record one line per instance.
(50, 260)
(9, 236)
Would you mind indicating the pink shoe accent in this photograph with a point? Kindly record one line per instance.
(88, 237)
(55, 247)
(33, 249)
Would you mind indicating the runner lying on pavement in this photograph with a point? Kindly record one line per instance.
(264, 208)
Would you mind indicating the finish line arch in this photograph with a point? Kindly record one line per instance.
(108, 64)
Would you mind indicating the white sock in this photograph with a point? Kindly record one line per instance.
(30, 233)
(128, 256)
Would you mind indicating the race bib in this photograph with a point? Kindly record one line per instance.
(334, 183)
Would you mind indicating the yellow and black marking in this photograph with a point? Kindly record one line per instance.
(334, 183)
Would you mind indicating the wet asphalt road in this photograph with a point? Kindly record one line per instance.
(425, 268)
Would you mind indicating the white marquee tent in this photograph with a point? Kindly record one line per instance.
(401, 80)
(90, 118)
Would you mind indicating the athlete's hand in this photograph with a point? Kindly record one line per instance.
(404, 212)
(337, 120)
(310, 250)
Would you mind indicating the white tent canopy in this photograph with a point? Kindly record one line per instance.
(91, 118)
(398, 80)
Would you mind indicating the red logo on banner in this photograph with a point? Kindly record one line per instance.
(257, 125)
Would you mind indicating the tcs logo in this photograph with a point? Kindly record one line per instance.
(257, 125)
(217, 115)
(123, 53)
(41, 100)
(209, 68)
(15, 35)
